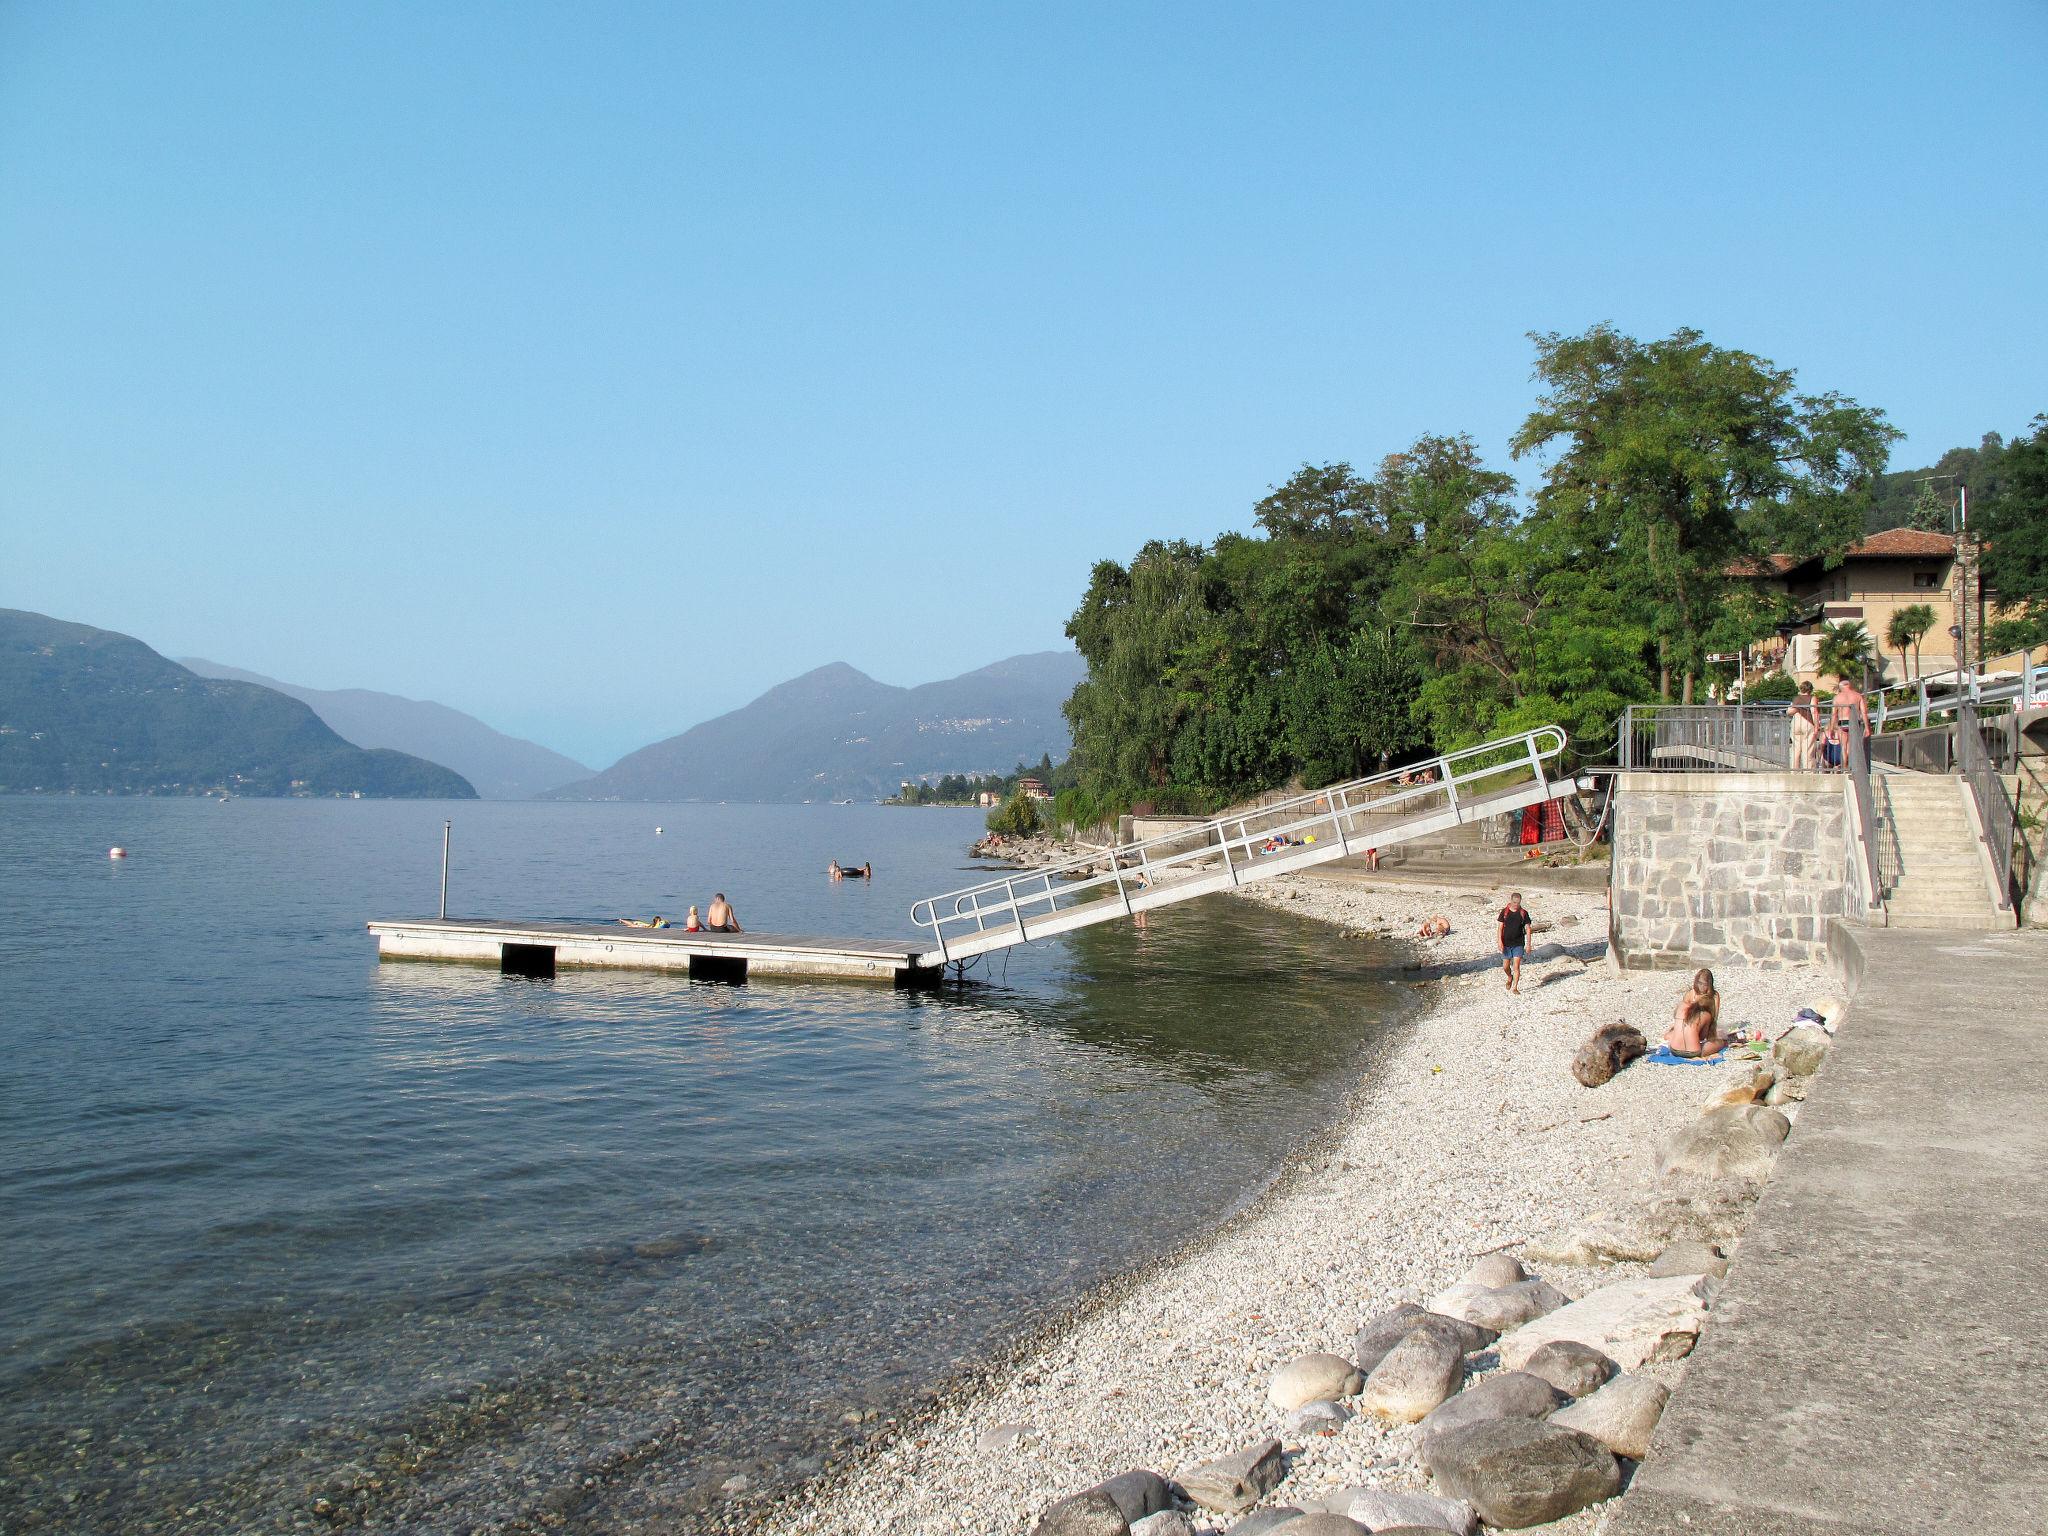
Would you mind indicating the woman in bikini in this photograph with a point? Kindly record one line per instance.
(1696, 1021)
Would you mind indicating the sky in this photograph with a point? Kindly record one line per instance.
(592, 368)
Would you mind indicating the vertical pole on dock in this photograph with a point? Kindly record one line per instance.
(444, 868)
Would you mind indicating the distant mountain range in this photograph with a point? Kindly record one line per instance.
(836, 733)
(89, 711)
(501, 767)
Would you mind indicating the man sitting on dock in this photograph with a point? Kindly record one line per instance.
(720, 919)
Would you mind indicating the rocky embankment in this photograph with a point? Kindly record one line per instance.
(1466, 1307)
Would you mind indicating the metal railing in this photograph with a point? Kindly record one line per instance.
(1864, 812)
(1995, 811)
(1447, 783)
(1691, 738)
(2024, 687)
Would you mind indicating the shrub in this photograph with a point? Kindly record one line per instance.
(1016, 817)
(1778, 685)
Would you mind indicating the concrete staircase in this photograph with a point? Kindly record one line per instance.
(1931, 855)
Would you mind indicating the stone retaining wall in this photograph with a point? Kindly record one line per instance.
(1729, 867)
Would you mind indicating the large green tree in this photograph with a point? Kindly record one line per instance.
(2014, 526)
(1674, 461)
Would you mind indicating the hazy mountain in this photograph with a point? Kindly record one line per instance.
(89, 711)
(501, 767)
(837, 733)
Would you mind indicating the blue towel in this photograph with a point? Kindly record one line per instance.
(1664, 1056)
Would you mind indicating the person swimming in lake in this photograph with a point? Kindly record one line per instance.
(833, 871)
(1696, 1021)
(721, 918)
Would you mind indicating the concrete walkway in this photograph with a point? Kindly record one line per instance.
(1876, 1361)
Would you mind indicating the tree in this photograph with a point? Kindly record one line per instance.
(1932, 511)
(1132, 628)
(1844, 651)
(2015, 527)
(1016, 817)
(1678, 460)
(1907, 625)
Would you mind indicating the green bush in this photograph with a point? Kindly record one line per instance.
(1778, 685)
(1016, 817)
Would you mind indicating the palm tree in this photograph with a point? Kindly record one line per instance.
(1919, 619)
(1898, 636)
(1844, 651)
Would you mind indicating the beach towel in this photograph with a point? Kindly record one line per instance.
(1664, 1056)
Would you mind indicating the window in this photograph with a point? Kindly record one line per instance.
(1927, 578)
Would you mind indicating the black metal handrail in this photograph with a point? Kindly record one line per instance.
(1995, 811)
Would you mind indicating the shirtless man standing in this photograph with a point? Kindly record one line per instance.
(720, 918)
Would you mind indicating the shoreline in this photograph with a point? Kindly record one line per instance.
(1463, 1133)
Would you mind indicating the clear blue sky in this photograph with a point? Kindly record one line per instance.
(591, 367)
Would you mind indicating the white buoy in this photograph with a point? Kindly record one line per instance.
(117, 853)
(657, 831)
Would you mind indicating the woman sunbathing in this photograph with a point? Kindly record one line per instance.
(1696, 1021)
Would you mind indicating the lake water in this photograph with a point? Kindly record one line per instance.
(295, 1240)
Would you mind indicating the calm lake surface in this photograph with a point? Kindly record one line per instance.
(295, 1240)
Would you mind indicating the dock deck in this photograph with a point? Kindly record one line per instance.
(539, 949)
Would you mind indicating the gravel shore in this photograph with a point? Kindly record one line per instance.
(1467, 1133)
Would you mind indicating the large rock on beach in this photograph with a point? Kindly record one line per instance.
(1632, 1322)
(1799, 1052)
(1686, 1257)
(1168, 1522)
(1622, 1415)
(1323, 1523)
(1260, 1521)
(1316, 1419)
(1416, 1374)
(1232, 1484)
(1313, 1378)
(1521, 1472)
(1499, 1308)
(1612, 1047)
(1495, 1269)
(1573, 1368)
(1503, 1395)
(1137, 1493)
(1614, 1238)
(1737, 1141)
(1389, 1328)
(1381, 1509)
(1093, 1513)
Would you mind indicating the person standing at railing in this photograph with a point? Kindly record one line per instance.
(1805, 717)
(1852, 711)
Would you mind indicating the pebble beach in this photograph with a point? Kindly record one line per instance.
(1466, 1135)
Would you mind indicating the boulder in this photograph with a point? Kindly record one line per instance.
(1314, 1378)
(1315, 1419)
(1746, 1090)
(1521, 1472)
(1500, 1308)
(1325, 1524)
(1573, 1368)
(1389, 1328)
(1495, 1269)
(1788, 1090)
(1632, 1322)
(1723, 1143)
(1622, 1415)
(1168, 1522)
(1616, 1238)
(1686, 1257)
(1799, 1052)
(1137, 1493)
(1416, 1374)
(1503, 1395)
(1260, 1521)
(1232, 1484)
(1612, 1047)
(1092, 1513)
(1379, 1509)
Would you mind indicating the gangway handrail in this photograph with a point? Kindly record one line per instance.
(1947, 692)
(1138, 864)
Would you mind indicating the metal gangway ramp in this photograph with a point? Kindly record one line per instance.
(1397, 806)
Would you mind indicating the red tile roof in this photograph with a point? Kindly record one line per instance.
(1891, 544)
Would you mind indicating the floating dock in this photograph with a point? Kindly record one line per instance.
(540, 949)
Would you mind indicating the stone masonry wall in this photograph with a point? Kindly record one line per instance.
(1729, 867)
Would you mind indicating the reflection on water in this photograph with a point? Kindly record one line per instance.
(296, 1237)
